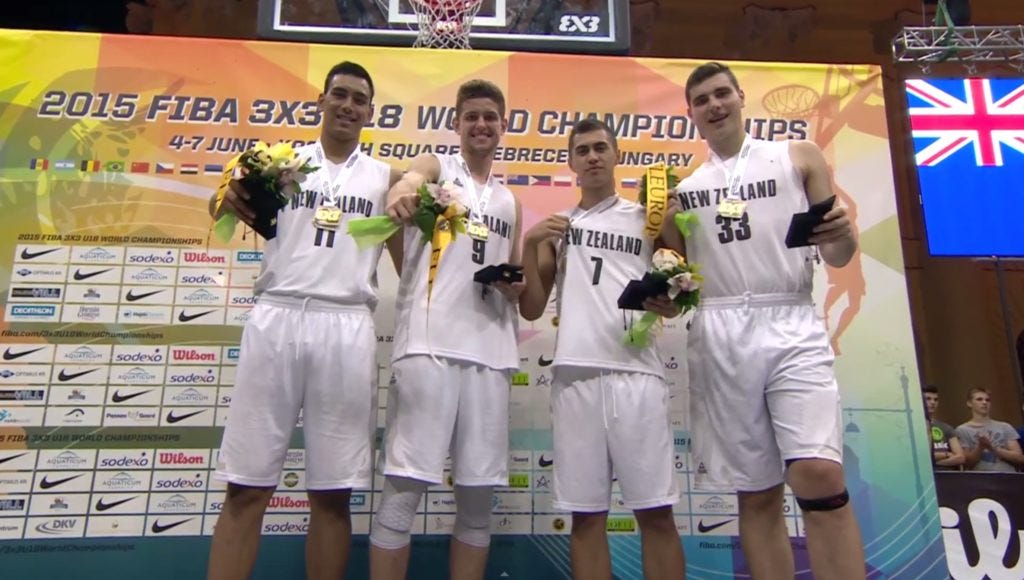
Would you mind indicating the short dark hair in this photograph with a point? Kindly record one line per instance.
(349, 69)
(930, 389)
(706, 71)
(975, 390)
(589, 125)
(479, 89)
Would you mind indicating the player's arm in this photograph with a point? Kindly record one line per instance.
(514, 290)
(834, 237)
(402, 197)
(1011, 453)
(539, 265)
(955, 457)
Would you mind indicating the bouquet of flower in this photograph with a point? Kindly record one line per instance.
(271, 174)
(682, 280)
(440, 209)
(441, 216)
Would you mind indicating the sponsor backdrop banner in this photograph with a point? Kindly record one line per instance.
(982, 518)
(122, 318)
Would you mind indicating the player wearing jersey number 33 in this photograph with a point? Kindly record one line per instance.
(764, 402)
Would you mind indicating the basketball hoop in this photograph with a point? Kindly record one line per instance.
(790, 101)
(444, 23)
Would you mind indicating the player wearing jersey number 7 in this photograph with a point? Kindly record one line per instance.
(609, 401)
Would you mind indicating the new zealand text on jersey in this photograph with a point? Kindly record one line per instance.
(604, 240)
(498, 226)
(702, 197)
(349, 204)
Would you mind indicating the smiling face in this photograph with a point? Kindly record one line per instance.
(480, 125)
(346, 107)
(715, 106)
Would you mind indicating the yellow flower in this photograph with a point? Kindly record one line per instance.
(450, 212)
(282, 150)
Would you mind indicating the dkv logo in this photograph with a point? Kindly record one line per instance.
(589, 23)
(993, 534)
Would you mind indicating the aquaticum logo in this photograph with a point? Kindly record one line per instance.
(993, 535)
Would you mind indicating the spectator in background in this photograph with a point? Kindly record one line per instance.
(1020, 430)
(989, 445)
(947, 454)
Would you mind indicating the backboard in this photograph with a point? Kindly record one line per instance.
(572, 26)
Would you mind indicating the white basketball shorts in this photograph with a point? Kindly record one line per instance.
(607, 422)
(447, 407)
(762, 391)
(309, 355)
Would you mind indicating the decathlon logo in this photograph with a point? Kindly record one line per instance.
(579, 23)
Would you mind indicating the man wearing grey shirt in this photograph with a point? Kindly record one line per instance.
(989, 445)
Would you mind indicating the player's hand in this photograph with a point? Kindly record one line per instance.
(836, 226)
(662, 306)
(402, 208)
(984, 442)
(553, 226)
(511, 290)
(236, 201)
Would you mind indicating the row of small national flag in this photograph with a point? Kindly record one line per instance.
(93, 166)
(554, 181)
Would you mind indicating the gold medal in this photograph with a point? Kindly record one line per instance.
(731, 207)
(327, 217)
(477, 230)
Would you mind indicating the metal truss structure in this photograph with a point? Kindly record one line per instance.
(967, 45)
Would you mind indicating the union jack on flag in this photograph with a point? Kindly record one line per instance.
(947, 115)
(969, 147)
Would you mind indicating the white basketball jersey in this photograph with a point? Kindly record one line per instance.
(603, 250)
(304, 261)
(749, 254)
(466, 320)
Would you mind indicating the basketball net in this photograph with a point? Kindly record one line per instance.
(444, 23)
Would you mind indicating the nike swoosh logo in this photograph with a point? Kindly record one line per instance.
(12, 458)
(705, 529)
(544, 361)
(8, 355)
(64, 376)
(182, 317)
(117, 397)
(158, 528)
(102, 506)
(27, 255)
(172, 418)
(80, 276)
(545, 462)
(132, 297)
(46, 483)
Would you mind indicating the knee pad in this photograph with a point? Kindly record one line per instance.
(473, 515)
(393, 520)
(824, 504)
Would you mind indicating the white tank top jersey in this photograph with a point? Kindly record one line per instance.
(303, 261)
(467, 322)
(737, 256)
(602, 251)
